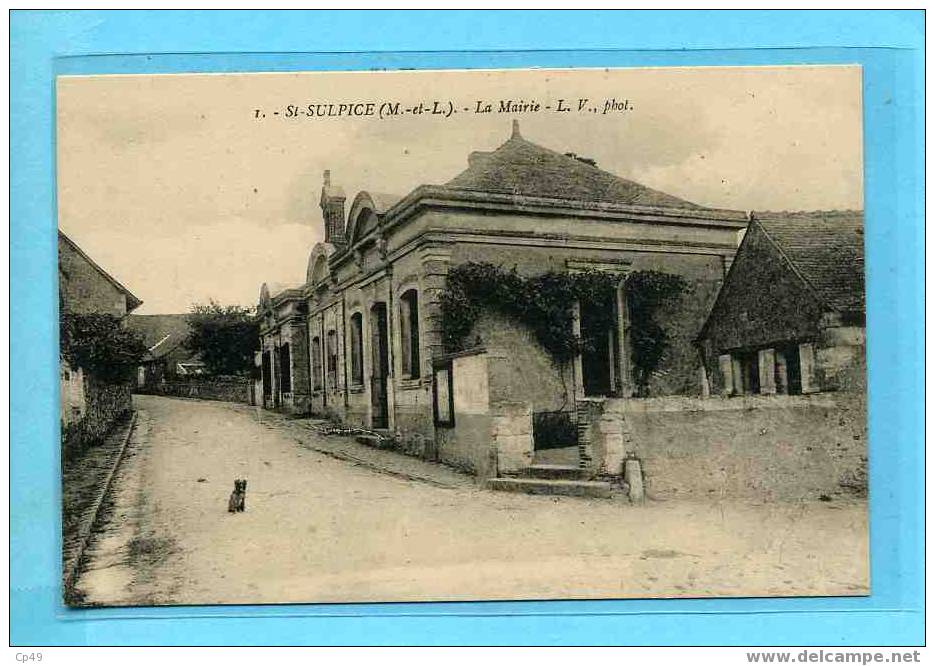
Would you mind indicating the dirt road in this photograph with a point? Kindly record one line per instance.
(320, 529)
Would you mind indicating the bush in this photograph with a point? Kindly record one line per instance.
(99, 345)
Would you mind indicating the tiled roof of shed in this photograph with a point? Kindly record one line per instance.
(161, 333)
(522, 167)
(827, 249)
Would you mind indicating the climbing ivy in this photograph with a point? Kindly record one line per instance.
(647, 293)
(545, 302)
(99, 345)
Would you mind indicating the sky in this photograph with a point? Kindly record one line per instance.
(176, 187)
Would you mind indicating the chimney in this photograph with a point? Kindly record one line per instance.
(585, 160)
(516, 134)
(332, 211)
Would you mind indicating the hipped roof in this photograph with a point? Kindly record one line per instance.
(525, 168)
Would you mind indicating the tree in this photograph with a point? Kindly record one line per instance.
(226, 336)
(99, 344)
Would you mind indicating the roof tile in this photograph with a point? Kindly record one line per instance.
(827, 249)
(522, 167)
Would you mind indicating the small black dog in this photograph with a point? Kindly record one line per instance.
(238, 498)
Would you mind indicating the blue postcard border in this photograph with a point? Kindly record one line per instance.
(887, 44)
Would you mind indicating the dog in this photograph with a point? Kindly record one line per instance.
(238, 500)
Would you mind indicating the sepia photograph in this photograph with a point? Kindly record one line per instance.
(462, 335)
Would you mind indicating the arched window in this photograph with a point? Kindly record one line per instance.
(357, 348)
(409, 333)
(316, 363)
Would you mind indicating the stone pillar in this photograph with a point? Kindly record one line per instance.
(766, 361)
(576, 365)
(435, 260)
(727, 374)
(737, 374)
(807, 368)
(624, 368)
(511, 432)
(301, 368)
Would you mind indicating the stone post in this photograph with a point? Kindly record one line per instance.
(576, 365)
(625, 370)
(807, 367)
(766, 362)
(727, 374)
(511, 431)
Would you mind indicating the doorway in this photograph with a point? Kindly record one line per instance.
(598, 358)
(267, 379)
(379, 366)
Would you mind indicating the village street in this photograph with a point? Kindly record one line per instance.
(374, 525)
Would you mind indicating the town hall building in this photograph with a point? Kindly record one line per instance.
(360, 340)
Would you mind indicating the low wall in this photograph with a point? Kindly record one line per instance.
(227, 390)
(756, 447)
(104, 403)
(490, 434)
(511, 435)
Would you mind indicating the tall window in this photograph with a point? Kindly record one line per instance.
(316, 363)
(409, 333)
(357, 348)
(332, 359)
(285, 369)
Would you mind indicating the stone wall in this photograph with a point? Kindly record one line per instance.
(520, 366)
(234, 389)
(753, 447)
(511, 436)
(104, 403)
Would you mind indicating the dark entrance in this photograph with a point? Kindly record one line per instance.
(788, 370)
(749, 371)
(379, 365)
(598, 358)
(267, 378)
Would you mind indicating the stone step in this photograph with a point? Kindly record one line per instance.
(542, 471)
(551, 487)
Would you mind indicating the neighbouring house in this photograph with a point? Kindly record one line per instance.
(790, 318)
(167, 358)
(88, 405)
(361, 340)
(283, 357)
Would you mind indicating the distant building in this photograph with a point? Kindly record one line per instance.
(790, 317)
(283, 357)
(167, 357)
(89, 407)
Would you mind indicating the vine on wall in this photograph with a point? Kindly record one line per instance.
(647, 293)
(99, 345)
(544, 303)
